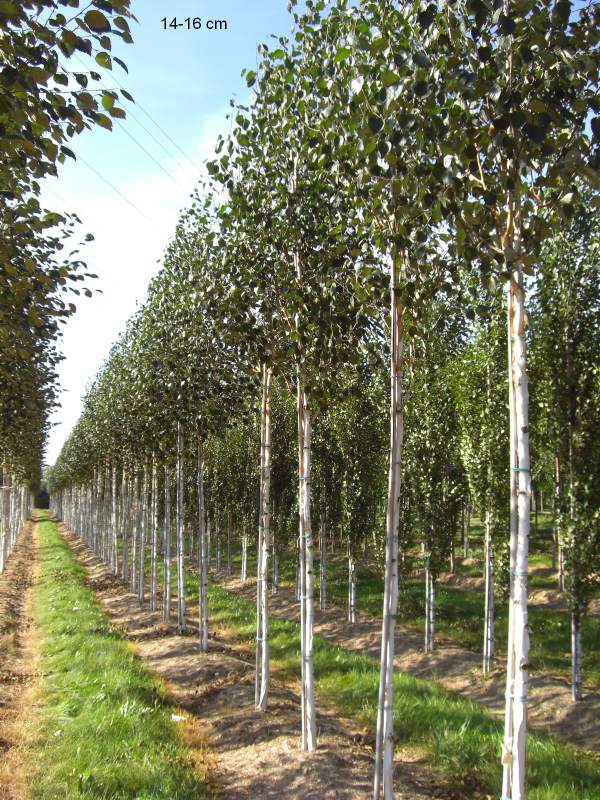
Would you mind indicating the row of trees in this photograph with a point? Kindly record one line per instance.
(44, 104)
(396, 168)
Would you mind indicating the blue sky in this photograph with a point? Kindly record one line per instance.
(184, 80)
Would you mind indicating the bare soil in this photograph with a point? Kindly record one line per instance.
(18, 658)
(457, 668)
(249, 754)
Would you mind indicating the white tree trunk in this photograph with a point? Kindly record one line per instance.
(135, 513)
(488, 630)
(265, 541)
(181, 621)
(125, 525)
(384, 741)
(576, 657)
(202, 559)
(514, 751)
(275, 579)
(323, 565)
(351, 588)
(143, 527)
(167, 545)
(114, 523)
(244, 573)
(154, 536)
(218, 556)
(309, 719)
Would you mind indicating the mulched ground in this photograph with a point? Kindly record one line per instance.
(17, 661)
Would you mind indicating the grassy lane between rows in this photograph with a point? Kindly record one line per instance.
(102, 729)
(461, 739)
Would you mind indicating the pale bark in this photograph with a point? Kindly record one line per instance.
(202, 559)
(309, 721)
(114, 522)
(576, 657)
(135, 506)
(143, 531)
(125, 517)
(384, 741)
(154, 536)
(322, 564)
(514, 751)
(351, 587)
(229, 523)
(488, 630)
(181, 621)
(275, 579)
(266, 541)
(167, 545)
(244, 572)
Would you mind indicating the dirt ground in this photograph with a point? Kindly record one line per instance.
(17, 662)
(458, 669)
(252, 754)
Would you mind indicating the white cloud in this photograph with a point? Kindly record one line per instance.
(124, 256)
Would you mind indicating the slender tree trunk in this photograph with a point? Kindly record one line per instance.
(229, 523)
(125, 501)
(114, 522)
(154, 535)
(576, 657)
(202, 560)
(181, 621)
(555, 514)
(488, 632)
(351, 588)
(135, 514)
(143, 526)
(323, 563)
(244, 574)
(297, 589)
(167, 545)
(265, 540)
(275, 580)
(218, 556)
(514, 751)
(259, 547)
(309, 721)
(384, 739)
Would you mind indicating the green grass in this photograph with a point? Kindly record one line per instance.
(102, 729)
(461, 739)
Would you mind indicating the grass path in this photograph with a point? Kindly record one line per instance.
(102, 729)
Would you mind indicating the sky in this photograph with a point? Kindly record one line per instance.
(181, 81)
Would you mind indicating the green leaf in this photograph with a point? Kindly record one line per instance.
(104, 121)
(390, 77)
(342, 54)
(108, 100)
(96, 21)
(104, 60)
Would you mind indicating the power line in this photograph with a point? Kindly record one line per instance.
(160, 144)
(56, 194)
(149, 154)
(151, 118)
(163, 131)
(114, 188)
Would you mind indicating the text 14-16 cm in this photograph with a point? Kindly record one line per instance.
(195, 23)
